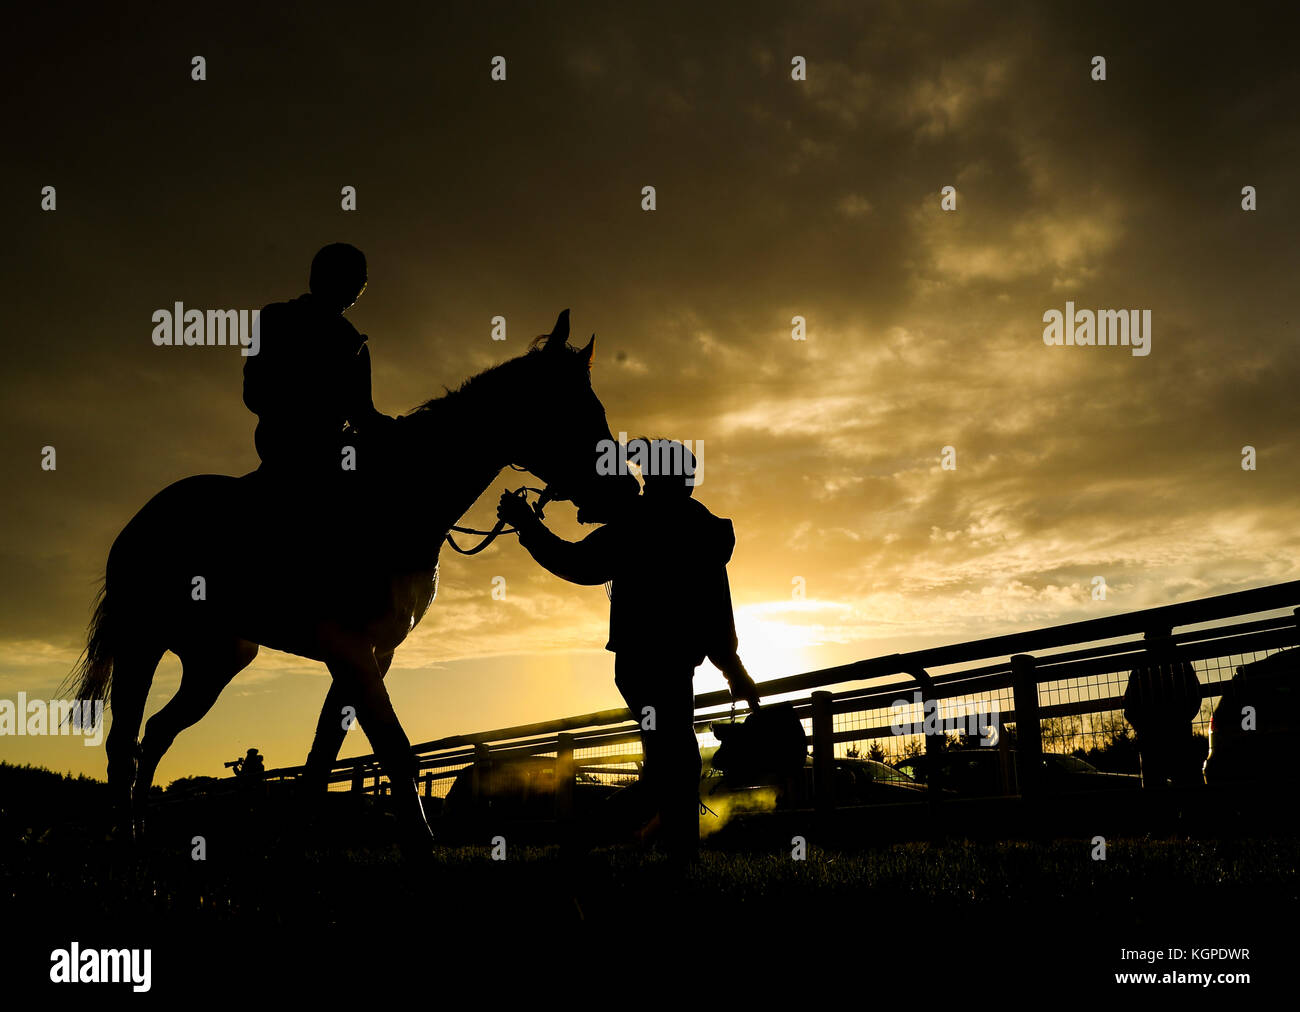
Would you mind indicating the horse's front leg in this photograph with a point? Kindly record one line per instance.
(336, 718)
(353, 665)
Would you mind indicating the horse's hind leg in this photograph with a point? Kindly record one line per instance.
(207, 668)
(133, 670)
(335, 717)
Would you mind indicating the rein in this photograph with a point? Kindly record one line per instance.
(543, 497)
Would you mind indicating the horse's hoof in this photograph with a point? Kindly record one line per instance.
(418, 854)
(417, 844)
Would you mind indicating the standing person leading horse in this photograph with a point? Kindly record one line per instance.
(670, 607)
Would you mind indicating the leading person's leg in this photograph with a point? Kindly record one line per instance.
(631, 678)
(679, 755)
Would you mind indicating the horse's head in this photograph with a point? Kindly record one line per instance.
(564, 433)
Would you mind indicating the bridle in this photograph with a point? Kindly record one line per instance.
(544, 496)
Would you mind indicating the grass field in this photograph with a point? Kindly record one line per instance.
(282, 878)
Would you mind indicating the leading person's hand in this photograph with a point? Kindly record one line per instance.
(515, 511)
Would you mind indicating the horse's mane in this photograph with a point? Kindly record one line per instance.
(506, 375)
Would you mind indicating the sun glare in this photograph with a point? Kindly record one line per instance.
(770, 649)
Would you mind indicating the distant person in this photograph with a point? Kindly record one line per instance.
(311, 375)
(250, 771)
(665, 559)
(1161, 700)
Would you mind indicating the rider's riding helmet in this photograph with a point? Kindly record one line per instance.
(338, 275)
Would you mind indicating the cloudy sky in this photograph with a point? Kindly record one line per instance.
(775, 198)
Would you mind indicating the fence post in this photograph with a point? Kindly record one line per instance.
(482, 757)
(358, 781)
(823, 733)
(1004, 755)
(1029, 732)
(428, 783)
(937, 742)
(564, 776)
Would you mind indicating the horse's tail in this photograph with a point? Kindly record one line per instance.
(92, 678)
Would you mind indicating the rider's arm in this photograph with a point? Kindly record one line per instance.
(262, 390)
(360, 406)
(255, 379)
(589, 561)
(361, 403)
(253, 399)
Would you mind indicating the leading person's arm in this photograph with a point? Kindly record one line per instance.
(589, 562)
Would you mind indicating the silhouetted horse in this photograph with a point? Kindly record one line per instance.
(213, 566)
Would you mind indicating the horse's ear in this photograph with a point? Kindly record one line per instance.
(589, 352)
(559, 334)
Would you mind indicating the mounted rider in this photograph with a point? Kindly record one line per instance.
(312, 374)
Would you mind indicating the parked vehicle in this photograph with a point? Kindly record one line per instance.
(857, 782)
(521, 788)
(867, 782)
(971, 773)
(1262, 694)
(1070, 773)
